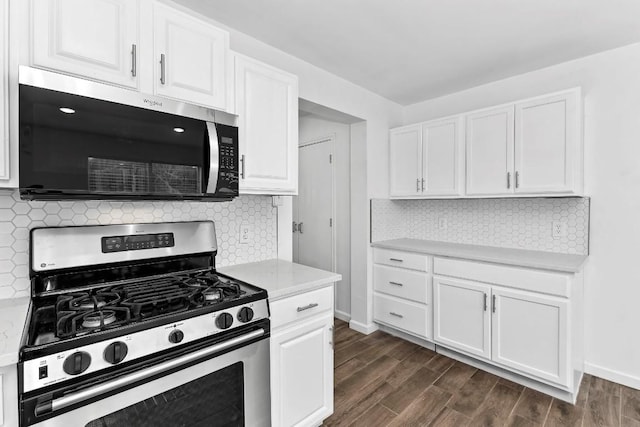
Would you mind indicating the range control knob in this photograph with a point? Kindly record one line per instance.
(245, 314)
(77, 363)
(115, 352)
(176, 336)
(224, 321)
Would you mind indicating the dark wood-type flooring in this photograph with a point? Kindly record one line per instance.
(381, 380)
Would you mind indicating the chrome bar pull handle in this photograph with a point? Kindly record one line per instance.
(307, 307)
(134, 60)
(396, 314)
(417, 184)
(508, 179)
(395, 259)
(396, 283)
(493, 305)
(163, 76)
(300, 228)
(242, 160)
(422, 184)
(485, 302)
(517, 179)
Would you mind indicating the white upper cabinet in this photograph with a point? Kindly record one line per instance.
(97, 39)
(5, 174)
(405, 167)
(191, 58)
(547, 145)
(143, 45)
(528, 148)
(489, 138)
(425, 159)
(441, 157)
(267, 108)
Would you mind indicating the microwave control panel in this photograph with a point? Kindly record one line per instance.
(137, 242)
(229, 159)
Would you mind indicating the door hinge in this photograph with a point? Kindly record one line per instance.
(330, 158)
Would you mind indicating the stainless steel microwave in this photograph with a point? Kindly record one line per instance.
(84, 140)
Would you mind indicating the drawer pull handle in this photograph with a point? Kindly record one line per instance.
(396, 314)
(396, 283)
(307, 307)
(395, 259)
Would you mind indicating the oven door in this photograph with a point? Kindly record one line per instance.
(230, 389)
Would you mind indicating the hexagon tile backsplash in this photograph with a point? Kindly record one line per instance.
(17, 217)
(523, 223)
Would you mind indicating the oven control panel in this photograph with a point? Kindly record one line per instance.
(137, 242)
(86, 360)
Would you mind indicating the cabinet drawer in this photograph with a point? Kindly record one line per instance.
(301, 306)
(406, 315)
(402, 283)
(514, 277)
(401, 259)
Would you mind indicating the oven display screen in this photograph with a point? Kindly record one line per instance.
(137, 242)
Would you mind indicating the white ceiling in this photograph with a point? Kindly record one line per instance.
(412, 50)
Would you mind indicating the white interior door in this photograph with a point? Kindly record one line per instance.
(313, 242)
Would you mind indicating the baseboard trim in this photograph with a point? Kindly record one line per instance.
(363, 328)
(612, 375)
(407, 337)
(345, 317)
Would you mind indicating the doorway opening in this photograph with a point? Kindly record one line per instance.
(322, 210)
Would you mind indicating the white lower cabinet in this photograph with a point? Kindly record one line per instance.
(530, 334)
(462, 317)
(302, 362)
(402, 297)
(508, 323)
(8, 396)
(523, 320)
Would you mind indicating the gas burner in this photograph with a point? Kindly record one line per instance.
(86, 301)
(97, 319)
(213, 294)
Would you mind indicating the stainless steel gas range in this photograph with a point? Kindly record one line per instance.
(132, 325)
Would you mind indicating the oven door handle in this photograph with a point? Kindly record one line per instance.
(89, 393)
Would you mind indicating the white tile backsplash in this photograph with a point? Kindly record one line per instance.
(18, 216)
(513, 223)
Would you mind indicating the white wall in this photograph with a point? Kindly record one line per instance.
(611, 86)
(313, 128)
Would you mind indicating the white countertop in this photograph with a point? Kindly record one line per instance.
(281, 278)
(13, 314)
(519, 257)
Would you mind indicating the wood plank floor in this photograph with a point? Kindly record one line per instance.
(381, 380)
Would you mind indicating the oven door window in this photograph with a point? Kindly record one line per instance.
(215, 399)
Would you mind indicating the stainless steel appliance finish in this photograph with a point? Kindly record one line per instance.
(56, 248)
(141, 325)
(63, 83)
(83, 139)
(255, 360)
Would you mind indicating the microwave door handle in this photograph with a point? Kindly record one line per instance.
(214, 159)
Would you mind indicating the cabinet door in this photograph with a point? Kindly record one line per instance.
(91, 38)
(191, 58)
(489, 146)
(267, 107)
(5, 174)
(405, 164)
(547, 144)
(462, 317)
(530, 334)
(302, 373)
(440, 157)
